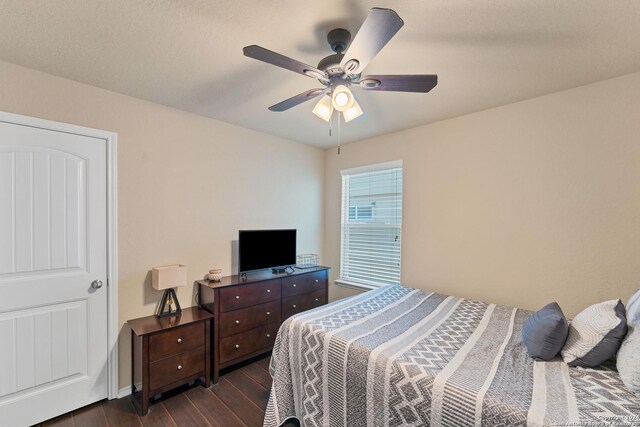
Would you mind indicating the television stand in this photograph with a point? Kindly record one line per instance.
(247, 314)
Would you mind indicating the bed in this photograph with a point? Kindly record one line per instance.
(398, 356)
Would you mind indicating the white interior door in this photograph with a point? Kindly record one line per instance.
(53, 323)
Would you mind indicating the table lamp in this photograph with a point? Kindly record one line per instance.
(166, 278)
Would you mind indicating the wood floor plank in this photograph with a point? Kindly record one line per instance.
(240, 404)
(264, 363)
(121, 413)
(254, 391)
(258, 375)
(65, 420)
(158, 416)
(92, 415)
(238, 400)
(184, 413)
(213, 409)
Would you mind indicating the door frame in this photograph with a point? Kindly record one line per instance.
(111, 139)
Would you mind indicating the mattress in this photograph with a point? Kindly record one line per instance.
(398, 356)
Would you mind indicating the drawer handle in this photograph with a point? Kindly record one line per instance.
(237, 322)
(179, 340)
(317, 299)
(317, 280)
(237, 346)
(268, 290)
(268, 313)
(268, 335)
(294, 306)
(294, 285)
(179, 367)
(237, 296)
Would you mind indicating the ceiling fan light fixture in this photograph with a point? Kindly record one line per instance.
(342, 98)
(354, 112)
(324, 108)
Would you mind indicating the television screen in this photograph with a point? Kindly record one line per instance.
(260, 249)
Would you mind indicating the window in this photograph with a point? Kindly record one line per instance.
(371, 224)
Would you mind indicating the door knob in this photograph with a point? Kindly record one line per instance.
(96, 284)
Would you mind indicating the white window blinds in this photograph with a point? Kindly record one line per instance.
(372, 224)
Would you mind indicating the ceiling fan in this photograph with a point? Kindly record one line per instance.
(344, 69)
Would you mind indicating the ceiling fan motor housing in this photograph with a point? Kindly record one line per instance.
(331, 64)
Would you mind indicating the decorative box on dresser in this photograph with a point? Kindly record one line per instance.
(168, 352)
(249, 310)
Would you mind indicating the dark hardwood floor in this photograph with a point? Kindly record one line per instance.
(239, 399)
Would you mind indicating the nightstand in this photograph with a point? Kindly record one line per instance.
(168, 352)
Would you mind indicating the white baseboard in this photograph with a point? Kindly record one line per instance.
(124, 392)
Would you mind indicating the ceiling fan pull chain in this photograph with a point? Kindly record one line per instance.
(338, 133)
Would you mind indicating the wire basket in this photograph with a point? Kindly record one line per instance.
(307, 261)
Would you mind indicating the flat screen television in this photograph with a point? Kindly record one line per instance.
(262, 249)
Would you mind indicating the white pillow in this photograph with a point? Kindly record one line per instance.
(595, 334)
(629, 355)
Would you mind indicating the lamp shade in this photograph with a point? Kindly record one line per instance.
(342, 98)
(353, 112)
(169, 276)
(324, 108)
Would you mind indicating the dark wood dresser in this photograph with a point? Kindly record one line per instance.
(168, 352)
(248, 311)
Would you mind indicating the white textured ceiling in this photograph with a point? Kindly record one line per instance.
(188, 54)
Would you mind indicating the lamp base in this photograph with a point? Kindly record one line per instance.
(169, 299)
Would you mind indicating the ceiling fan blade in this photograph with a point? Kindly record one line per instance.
(376, 30)
(400, 82)
(270, 57)
(298, 99)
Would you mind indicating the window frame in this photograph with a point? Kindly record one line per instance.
(361, 284)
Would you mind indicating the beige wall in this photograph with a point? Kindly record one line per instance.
(218, 178)
(521, 205)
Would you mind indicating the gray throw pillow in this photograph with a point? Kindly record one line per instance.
(545, 332)
(629, 354)
(595, 334)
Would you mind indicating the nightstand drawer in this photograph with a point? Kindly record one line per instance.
(303, 283)
(176, 368)
(245, 343)
(299, 303)
(234, 322)
(241, 296)
(174, 341)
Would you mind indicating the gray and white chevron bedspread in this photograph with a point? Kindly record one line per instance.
(398, 356)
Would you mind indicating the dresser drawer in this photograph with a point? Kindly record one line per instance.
(234, 322)
(299, 303)
(176, 368)
(241, 296)
(303, 283)
(174, 341)
(247, 342)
